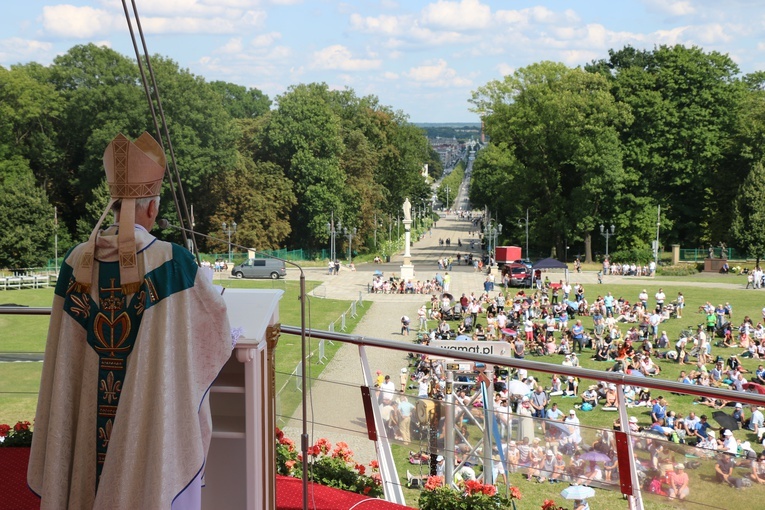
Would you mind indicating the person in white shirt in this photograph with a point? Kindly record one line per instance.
(660, 297)
(729, 443)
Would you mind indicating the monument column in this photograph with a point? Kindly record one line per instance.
(407, 269)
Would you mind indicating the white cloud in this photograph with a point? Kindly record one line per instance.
(462, 15)
(232, 46)
(437, 74)
(505, 69)
(338, 57)
(264, 40)
(389, 75)
(384, 24)
(16, 49)
(76, 22)
(672, 7)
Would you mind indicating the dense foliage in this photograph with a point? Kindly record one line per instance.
(674, 127)
(278, 170)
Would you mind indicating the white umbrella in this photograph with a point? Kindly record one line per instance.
(516, 387)
(578, 492)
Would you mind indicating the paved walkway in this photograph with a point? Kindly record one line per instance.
(336, 408)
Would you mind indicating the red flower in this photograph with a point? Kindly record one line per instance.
(323, 445)
(279, 433)
(374, 465)
(4, 429)
(473, 487)
(515, 493)
(489, 490)
(433, 483)
(361, 469)
(314, 451)
(22, 425)
(366, 490)
(288, 443)
(289, 464)
(549, 504)
(300, 457)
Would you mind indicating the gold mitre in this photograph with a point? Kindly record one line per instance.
(133, 170)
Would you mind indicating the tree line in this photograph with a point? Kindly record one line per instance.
(673, 127)
(279, 169)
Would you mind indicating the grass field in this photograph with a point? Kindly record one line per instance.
(19, 381)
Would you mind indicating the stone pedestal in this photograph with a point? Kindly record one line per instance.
(675, 254)
(407, 269)
(713, 265)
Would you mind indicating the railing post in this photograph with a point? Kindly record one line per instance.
(342, 322)
(635, 498)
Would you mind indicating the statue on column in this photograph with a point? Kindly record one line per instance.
(407, 209)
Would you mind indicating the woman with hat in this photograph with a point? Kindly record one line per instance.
(526, 422)
(678, 483)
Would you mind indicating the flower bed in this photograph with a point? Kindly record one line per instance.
(333, 467)
(18, 435)
(470, 494)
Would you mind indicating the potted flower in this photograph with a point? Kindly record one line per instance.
(18, 435)
(333, 467)
(472, 494)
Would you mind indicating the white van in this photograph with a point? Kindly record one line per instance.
(260, 268)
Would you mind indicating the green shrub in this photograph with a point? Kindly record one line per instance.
(679, 270)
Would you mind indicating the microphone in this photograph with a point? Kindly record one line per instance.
(164, 224)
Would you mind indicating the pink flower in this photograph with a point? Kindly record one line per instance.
(433, 483)
(515, 493)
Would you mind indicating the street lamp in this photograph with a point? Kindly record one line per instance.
(448, 189)
(494, 232)
(229, 229)
(350, 232)
(607, 232)
(520, 224)
(332, 229)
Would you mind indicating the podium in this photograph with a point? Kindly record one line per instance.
(241, 464)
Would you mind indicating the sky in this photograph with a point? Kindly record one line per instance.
(421, 57)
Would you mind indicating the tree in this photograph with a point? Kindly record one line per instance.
(684, 102)
(241, 102)
(562, 126)
(748, 226)
(26, 217)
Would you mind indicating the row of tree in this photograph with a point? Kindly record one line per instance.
(675, 127)
(279, 171)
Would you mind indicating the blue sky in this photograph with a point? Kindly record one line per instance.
(421, 57)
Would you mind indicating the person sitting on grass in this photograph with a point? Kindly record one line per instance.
(758, 469)
(611, 395)
(678, 483)
(590, 396)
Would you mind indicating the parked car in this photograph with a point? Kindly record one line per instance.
(520, 276)
(260, 268)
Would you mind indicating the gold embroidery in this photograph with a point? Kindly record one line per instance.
(81, 305)
(104, 433)
(110, 388)
(139, 306)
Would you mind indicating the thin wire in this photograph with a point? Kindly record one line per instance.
(176, 184)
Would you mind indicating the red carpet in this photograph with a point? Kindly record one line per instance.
(15, 495)
(289, 496)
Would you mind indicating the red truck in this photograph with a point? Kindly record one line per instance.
(506, 255)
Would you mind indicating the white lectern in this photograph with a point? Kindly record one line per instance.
(241, 465)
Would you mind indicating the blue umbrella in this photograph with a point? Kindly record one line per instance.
(377, 273)
(463, 338)
(578, 492)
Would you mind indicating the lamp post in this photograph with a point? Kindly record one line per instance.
(520, 224)
(332, 229)
(350, 232)
(607, 232)
(228, 230)
(448, 189)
